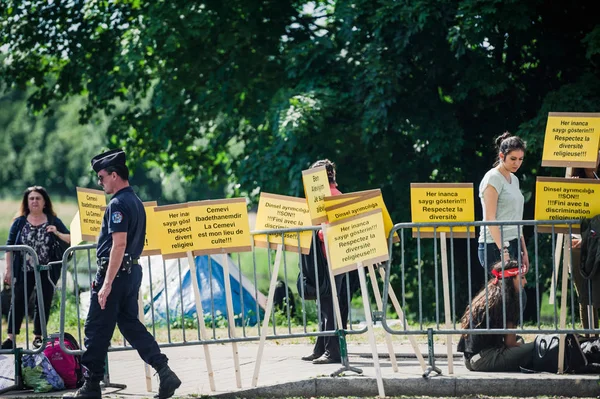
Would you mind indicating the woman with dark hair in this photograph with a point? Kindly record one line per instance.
(37, 227)
(496, 307)
(502, 200)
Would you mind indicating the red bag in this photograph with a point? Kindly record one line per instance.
(67, 366)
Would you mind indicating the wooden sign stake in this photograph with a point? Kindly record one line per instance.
(365, 294)
(447, 312)
(269, 308)
(557, 254)
(400, 314)
(388, 337)
(563, 305)
(200, 312)
(146, 365)
(231, 320)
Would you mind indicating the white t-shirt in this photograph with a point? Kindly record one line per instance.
(510, 204)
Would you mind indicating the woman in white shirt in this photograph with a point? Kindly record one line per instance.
(502, 200)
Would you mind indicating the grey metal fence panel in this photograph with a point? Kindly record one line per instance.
(176, 329)
(545, 321)
(26, 250)
(18, 350)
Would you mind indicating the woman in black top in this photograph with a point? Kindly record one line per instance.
(496, 352)
(37, 227)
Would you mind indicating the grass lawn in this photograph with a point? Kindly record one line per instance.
(288, 269)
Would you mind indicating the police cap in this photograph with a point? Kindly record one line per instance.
(114, 157)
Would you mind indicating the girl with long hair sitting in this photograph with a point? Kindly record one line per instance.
(496, 306)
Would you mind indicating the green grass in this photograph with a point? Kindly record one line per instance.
(264, 267)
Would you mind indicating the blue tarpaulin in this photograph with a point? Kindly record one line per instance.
(209, 274)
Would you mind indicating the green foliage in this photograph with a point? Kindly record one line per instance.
(248, 93)
(71, 312)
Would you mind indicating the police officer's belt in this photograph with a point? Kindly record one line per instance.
(128, 261)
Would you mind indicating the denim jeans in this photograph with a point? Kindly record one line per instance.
(489, 259)
(493, 256)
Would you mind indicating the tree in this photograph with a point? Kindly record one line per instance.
(251, 92)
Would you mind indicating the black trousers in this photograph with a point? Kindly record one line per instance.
(331, 344)
(24, 287)
(121, 310)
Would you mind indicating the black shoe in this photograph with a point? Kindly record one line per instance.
(311, 357)
(168, 382)
(89, 390)
(37, 342)
(7, 344)
(326, 359)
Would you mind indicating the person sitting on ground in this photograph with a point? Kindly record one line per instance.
(496, 352)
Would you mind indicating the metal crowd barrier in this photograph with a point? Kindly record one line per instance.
(18, 350)
(176, 329)
(410, 260)
(446, 319)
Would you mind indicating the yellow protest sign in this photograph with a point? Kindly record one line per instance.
(442, 202)
(571, 140)
(151, 244)
(174, 230)
(220, 226)
(316, 188)
(565, 199)
(356, 239)
(338, 199)
(90, 203)
(283, 212)
(363, 203)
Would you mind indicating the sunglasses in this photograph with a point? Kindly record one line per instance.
(101, 178)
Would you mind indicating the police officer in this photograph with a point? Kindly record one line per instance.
(114, 296)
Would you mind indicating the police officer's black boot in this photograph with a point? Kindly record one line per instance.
(89, 390)
(168, 382)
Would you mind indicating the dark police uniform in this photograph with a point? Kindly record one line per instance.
(125, 213)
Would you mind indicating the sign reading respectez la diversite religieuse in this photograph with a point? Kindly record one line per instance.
(174, 230)
(151, 244)
(363, 203)
(90, 203)
(283, 212)
(442, 202)
(356, 239)
(316, 188)
(565, 199)
(571, 140)
(220, 226)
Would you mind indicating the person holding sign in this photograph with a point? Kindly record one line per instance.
(496, 352)
(501, 199)
(38, 227)
(586, 173)
(327, 349)
(114, 293)
(581, 284)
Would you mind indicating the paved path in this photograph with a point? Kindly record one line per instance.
(283, 374)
